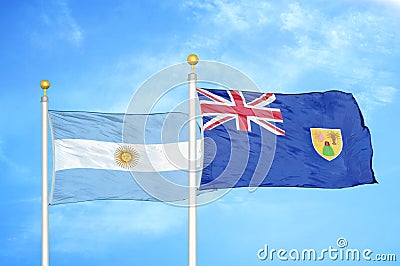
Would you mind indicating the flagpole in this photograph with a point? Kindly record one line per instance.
(45, 84)
(192, 228)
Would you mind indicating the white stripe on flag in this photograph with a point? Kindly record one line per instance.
(81, 153)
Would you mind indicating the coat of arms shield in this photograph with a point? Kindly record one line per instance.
(327, 142)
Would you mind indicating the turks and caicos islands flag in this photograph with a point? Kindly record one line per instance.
(254, 139)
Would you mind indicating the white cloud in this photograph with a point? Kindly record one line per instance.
(386, 94)
(374, 97)
(58, 24)
(391, 3)
(348, 47)
(297, 18)
(345, 46)
(70, 30)
(233, 15)
(377, 96)
(358, 30)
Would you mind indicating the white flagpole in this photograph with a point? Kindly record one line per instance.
(192, 228)
(45, 201)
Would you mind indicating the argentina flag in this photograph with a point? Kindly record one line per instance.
(103, 156)
(254, 139)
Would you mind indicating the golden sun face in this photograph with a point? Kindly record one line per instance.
(126, 157)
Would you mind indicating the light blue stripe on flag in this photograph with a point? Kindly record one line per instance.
(85, 145)
(78, 185)
(109, 127)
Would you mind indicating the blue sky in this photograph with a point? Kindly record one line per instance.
(97, 53)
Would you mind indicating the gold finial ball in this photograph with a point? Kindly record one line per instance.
(45, 84)
(192, 59)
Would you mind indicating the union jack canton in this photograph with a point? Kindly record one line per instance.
(242, 111)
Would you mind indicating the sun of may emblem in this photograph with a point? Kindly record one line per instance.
(126, 157)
